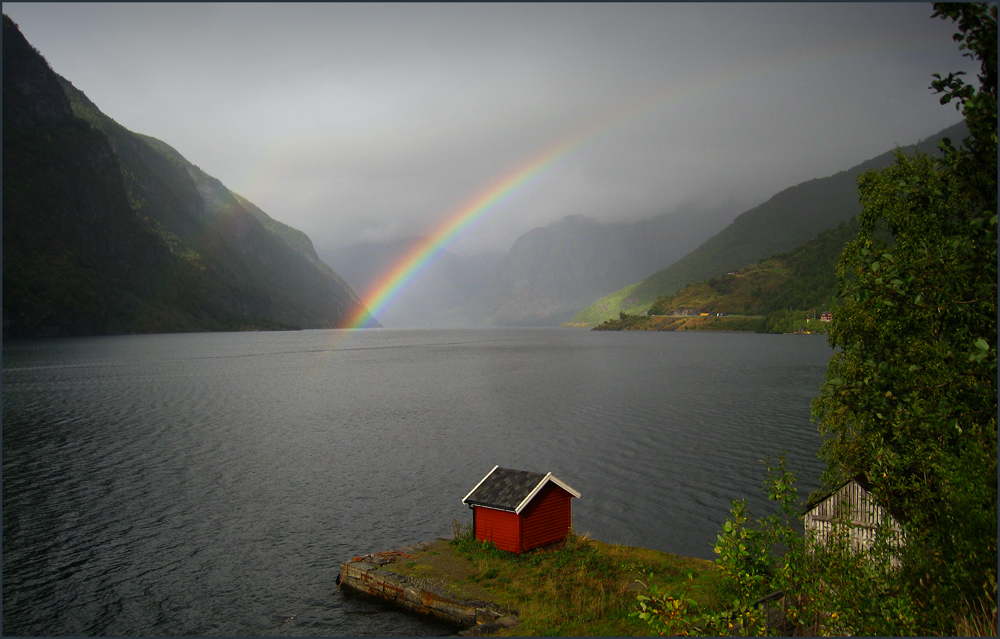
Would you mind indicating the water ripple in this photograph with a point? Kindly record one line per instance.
(211, 484)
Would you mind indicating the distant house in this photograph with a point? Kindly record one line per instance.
(854, 504)
(826, 317)
(519, 510)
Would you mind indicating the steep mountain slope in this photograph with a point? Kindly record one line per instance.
(548, 274)
(778, 225)
(773, 294)
(76, 260)
(106, 231)
(802, 278)
(551, 273)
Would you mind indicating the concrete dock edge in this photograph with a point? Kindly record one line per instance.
(372, 575)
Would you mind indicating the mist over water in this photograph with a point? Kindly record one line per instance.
(211, 484)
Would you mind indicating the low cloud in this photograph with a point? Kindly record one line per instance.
(361, 122)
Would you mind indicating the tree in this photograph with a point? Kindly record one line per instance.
(910, 398)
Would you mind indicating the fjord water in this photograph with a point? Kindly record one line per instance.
(211, 484)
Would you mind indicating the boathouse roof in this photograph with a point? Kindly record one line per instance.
(511, 490)
(816, 500)
(863, 483)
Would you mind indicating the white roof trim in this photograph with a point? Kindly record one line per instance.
(496, 508)
(479, 484)
(548, 477)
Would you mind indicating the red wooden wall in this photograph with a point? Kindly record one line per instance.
(545, 520)
(500, 527)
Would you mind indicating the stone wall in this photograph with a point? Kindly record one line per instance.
(372, 575)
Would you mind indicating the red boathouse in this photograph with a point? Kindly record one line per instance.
(519, 510)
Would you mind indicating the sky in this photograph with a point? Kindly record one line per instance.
(371, 122)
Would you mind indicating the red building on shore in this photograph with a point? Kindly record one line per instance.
(519, 510)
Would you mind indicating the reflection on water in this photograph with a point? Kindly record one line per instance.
(210, 484)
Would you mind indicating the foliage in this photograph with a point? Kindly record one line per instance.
(784, 222)
(812, 282)
(910, 396)
(585, 587)
(746, 324)
(777, 293)
(831, 588)
(909, 401)
(756, 557)
(666, 614)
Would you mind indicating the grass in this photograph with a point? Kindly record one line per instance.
(803, 277)
(676, 323)
(977, 620)
(755, 299)
(607, 307)
(586, 587)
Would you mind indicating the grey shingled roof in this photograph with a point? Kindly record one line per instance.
(504, 489)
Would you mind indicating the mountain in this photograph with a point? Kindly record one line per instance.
(773, 294)
(788, 219)
(551, 273)
(432, 298)
(107, 231)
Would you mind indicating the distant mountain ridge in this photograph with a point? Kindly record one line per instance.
(785, 221)
(432, 298)
(107, 231)
(772, 295)
(549, 273)
(554, 274)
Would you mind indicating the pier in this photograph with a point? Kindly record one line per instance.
(374, 575)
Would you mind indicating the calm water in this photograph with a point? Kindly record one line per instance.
(211, 484)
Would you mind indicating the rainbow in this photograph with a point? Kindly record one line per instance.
(422, 253)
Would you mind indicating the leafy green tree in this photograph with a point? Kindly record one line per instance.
(910, 398)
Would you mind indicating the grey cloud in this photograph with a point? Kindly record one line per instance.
(374, 121)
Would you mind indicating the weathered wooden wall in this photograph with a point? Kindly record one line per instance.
(855, 506)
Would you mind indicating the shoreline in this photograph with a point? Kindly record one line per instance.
(579, 587)
(373, 575)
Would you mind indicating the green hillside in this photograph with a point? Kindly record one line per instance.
(108, 231)
(772, 295)
(788, 219)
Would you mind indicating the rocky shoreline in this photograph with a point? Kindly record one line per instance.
(373, 575)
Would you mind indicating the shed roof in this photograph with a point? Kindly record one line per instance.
(511, 490)
(861, 480)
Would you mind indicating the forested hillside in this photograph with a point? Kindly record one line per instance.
(107, 231)
(553, 272)
(788, 219)
(774, 294)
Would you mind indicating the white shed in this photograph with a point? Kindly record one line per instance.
(854, 502)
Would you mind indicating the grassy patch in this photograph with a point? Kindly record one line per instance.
(679, 323)
(587, 587)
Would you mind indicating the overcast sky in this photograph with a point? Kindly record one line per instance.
(360, 122)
